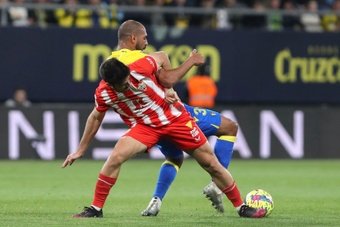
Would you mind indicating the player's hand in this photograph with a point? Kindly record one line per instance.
(70, 159)
(196, 57)
(171, 96)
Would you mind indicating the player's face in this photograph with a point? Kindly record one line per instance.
(141, 40)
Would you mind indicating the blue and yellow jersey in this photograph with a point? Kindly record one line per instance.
(137, 61)
(127, 56)
(208, 120)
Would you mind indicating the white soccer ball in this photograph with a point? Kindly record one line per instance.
(259, 198)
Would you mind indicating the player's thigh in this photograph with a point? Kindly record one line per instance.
(125, 148)
(227, 127)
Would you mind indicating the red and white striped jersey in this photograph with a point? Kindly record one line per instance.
(143, 102)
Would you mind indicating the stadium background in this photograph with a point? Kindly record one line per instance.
(281, 87)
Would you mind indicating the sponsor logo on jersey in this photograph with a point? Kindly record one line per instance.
(195, 134)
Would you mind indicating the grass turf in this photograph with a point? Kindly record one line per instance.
(40, 193)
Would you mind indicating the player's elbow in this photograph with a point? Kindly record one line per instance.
(166, 80)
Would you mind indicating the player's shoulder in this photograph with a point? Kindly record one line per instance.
(102, 85)
(103, 88)
(145, 66)
(158, 54)
(128, 56)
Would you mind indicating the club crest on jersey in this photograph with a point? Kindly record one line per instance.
(141, 86)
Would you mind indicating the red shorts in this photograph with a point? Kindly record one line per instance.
(183, 132)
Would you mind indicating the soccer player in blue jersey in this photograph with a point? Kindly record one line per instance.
(210, 122)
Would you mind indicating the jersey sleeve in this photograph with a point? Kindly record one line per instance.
(146, 66)
(99, 101)
(100, 105)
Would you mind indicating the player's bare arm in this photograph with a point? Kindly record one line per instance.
(168, 77)
(162, 60)
(93, 123)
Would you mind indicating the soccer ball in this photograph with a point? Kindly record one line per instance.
(259, 198)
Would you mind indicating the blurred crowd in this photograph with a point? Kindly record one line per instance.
(272, 15)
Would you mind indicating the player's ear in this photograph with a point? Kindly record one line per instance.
(133, 38)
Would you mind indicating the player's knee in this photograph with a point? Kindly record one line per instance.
(116, 159)
(214, 171)
(211, 167)
(228, 127)
(178, 161)
(234, 127)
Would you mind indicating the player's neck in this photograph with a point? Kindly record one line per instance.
(123, 45)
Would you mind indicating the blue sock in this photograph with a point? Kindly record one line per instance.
(167, 174)
(224, 149)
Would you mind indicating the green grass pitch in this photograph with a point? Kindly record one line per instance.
(38, 193)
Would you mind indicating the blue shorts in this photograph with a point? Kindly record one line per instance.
(207, 120)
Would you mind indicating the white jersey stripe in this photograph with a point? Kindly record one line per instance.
(175, 111)
(160, 93)
(106, 97)
(149, 83)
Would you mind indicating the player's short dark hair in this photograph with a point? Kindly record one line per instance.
(113, 71)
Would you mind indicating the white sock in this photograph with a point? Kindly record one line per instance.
(97, 208)
(239, 207)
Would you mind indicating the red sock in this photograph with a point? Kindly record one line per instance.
(103, 186)
(233, 195)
